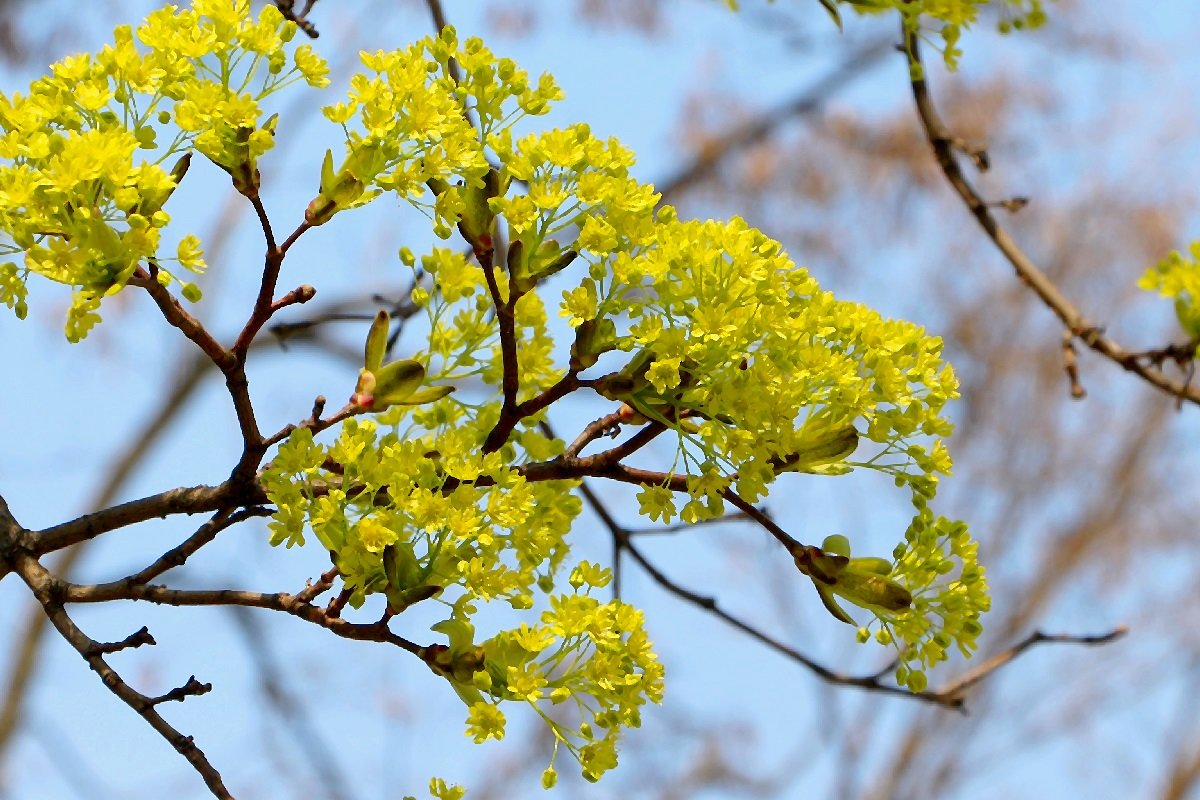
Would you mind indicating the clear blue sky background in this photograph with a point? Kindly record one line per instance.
(65, 410)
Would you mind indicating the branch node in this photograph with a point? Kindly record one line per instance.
(136, 639)
(334, 609)
(288, 9)
(193, 688)
(1071, 366)
(1012, 205)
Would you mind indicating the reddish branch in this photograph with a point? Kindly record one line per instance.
(288, 9)
(286, 603)
(945, 147)
(175, 314)
(510, 379)
(264, 304)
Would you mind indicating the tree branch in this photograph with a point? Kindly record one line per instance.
(871, 683)
(48, 591)
(288, 9)
(944, 146)
(177, 556)
(959, 686)
(25, 648)
(185, 500)
(281, 601)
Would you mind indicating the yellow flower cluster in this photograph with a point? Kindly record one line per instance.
(754, 368)
(423, 115)
(495, 540)
(473, 530)
(75, 201)
(1177, 277)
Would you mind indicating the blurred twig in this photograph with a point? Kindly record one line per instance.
(807, 102)
(290, 709)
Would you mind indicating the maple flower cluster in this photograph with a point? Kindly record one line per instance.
(1177, 277)
(77, 203)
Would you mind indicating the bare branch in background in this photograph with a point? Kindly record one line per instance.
(945, 147)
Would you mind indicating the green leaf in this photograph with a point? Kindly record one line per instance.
(518, 268)
(830, 6)
(399, 600)
(427, 394)
(836, 544)
(557, 264)
(592, 338)
(872, 591)
(870, 564)
(823, 445)
(400, 566)
(831, 605)
(377, 341)
(396, 382)
(477, 214)
(327, 174)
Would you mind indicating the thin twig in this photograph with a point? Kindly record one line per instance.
(281, 601)
(809, 101)
(48, 591)
(177, 556)
(958, 687)
(264, 307)
(138, 638)
(872, 683)
(26, 647)
(1071, 366)
(323, 584)
(288, 9)
(179, 317)
(944, 147)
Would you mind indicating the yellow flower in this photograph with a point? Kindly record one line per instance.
(485, 721)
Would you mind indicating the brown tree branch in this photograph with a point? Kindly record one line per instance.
(622, 538)
(177, 556)
(48, 591)
(265, 305)
(184, 500)
(25, 647)
(959, 686)
(510, 376)
(179, 317)
(288, 9)
(323, 584)
(280, 601)
(944, 146)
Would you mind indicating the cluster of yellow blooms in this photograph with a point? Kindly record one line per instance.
(1177, 277)
(72, 199)
(713, 333)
